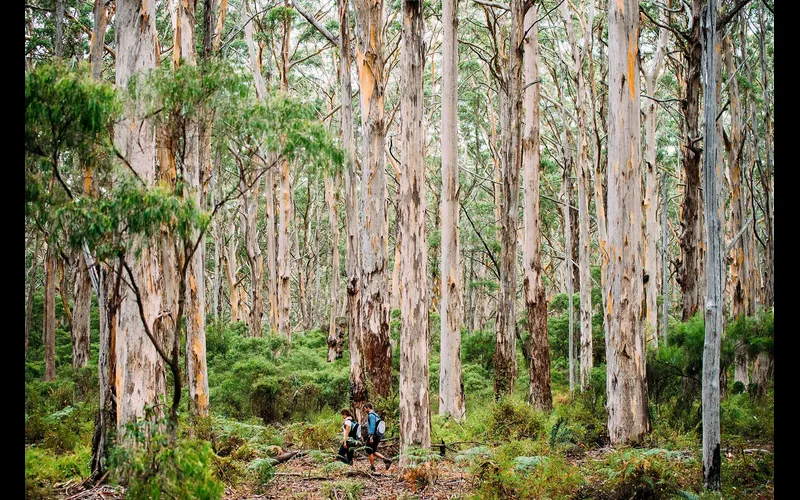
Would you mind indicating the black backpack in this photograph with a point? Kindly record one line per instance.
(355, 430)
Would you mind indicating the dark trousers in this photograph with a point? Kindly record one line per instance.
(346, 454)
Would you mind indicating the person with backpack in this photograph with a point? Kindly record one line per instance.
(375, 430)
(351, 437)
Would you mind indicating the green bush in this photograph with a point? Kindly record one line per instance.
(156, 468)
(513, 419)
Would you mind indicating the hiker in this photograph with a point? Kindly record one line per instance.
(351, 435)
(375, 431)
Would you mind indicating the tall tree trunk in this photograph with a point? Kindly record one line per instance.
(568, 265)
(766, 175)
(582, 166)
(415, 416)
(49, 325)
(358, 394)
(249, 186)
(272, 285)
(230, 267)
(691, 237)
(252, 249)
(540, 394)
(714, 267)
(664, 261)
(195, 153)
(139, 377)
(285, 212)
(31, 289)
(511, 90)
(651, 76)
(97, 45)
(733, 146)
(628, 418)
(216, 194)
(451, 387)
(82, 303)
(375, 223)
(58, 45)
(335, 344)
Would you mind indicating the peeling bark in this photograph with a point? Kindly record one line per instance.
(712, 173)
(451, 386)
(140, 376)
(628, 417)
(358, 394)
(540, 393)
(415, 418)
(374, 218)
(511, 105)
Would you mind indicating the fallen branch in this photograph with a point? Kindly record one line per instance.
(285, 457)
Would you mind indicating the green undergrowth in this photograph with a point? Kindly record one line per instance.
(268, 397)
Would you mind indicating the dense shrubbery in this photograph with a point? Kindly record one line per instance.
(268, 397)
(262, 377)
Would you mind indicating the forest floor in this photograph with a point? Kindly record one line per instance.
(304, 477)
(301, 479)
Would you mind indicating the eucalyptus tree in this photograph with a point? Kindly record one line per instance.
(626, 385)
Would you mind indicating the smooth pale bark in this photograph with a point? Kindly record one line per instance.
(598, 160)
(249, 201)
(582, 166)
(331, 197)
(715, 279)
(415, 415)
(664, 260)
(62, 288)
(31, 289)
(249, 208)
(272, 285)
(569, 227)
(451, 386)
(628, 418)
(97, 47)
(395, 303)
(194, 175)
(733, 145)
(285, 215)
(505, 356)
(651, 75)
(374, 217)
(540, 394)
(58, 45)
(82, 302)
(358, 393)
(302, 277)
(766, 174)
(690, 272)
(140, 375)
(216, 194)
(230, 266)
(568, 264)
(49, 322)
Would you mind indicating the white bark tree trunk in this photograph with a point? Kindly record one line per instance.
(540, 394)
(651, 76)
(375, 225)
(714, 263)
(140, 376)
(415, 417)
(628, 418)
(451, 387)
